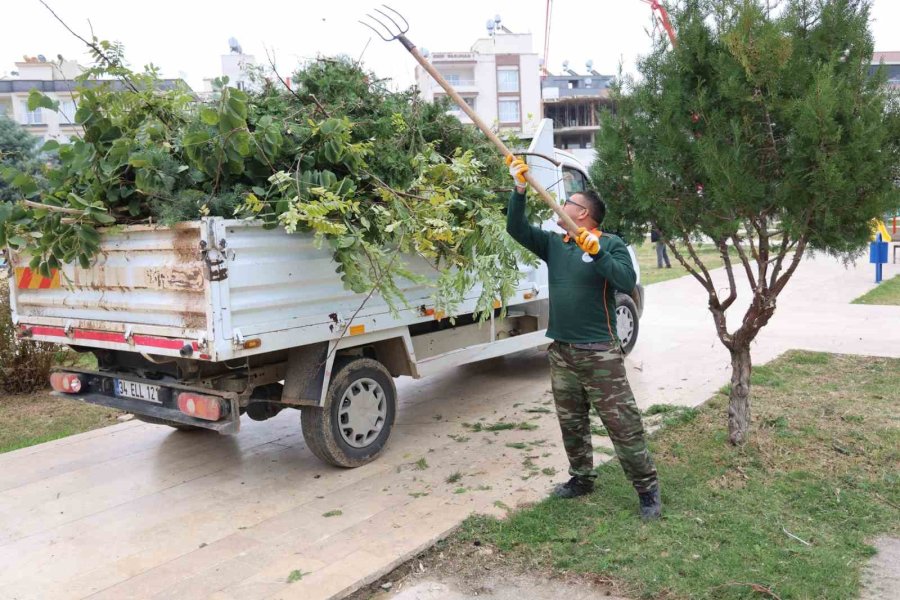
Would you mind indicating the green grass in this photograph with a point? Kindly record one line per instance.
(823, 464)
(296, 575)
(646, 255)
(29, 419)
(887, 292)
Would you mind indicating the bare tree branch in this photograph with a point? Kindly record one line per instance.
(699, 263)
(59, 209)
(732, 296)
(93, 46)
(291, 90)
(763, 261)
(786, 246)
(798, 254)
(688, 267)
(735, 239)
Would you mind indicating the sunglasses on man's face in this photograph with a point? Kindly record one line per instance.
(576, 204)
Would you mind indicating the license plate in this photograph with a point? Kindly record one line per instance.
(137, 391)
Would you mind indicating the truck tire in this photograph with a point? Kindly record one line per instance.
(627, 322)
(172, 424)
(353, 427)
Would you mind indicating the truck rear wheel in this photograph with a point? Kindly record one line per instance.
(627, 322)
(353, 427)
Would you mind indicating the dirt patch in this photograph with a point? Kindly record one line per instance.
(454, 570)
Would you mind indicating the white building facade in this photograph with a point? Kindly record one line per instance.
(499, 77)
(51, 78)
(57, 81)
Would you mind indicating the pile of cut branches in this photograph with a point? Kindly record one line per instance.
(374, 173)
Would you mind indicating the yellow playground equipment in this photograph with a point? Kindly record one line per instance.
(878, 226)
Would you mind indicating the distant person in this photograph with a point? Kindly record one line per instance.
(661, 255)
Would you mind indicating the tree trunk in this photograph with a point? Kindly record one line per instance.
(739, 399)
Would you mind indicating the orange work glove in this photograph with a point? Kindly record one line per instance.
(517, 169)
(587, 241)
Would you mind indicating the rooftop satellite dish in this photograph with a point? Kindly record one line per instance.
(497, 19)
(41, 58)
(589, 64)
(426, 52)
(565, 65)
(490, 25)
(234, 46)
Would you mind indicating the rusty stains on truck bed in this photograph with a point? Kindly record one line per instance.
(187, 277)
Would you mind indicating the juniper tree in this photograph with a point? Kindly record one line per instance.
(763, 131)
(18, 152)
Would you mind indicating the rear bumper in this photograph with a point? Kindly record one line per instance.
(98, 388)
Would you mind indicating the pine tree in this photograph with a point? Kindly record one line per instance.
(18, 153)
(763, 131)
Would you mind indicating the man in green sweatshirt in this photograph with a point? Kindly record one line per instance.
(587, 365)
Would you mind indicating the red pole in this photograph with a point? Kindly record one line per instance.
(664, 17)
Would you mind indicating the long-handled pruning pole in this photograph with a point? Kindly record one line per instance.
(389, 29)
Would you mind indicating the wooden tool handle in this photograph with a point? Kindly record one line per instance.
(544, 194)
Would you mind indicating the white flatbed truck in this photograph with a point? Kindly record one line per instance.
(197, 324)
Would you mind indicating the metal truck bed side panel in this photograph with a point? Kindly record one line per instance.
(151, 276)
(278, 281)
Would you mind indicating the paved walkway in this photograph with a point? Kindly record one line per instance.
(881, 577)
(137, 511)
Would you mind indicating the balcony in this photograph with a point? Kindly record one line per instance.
(469, 86)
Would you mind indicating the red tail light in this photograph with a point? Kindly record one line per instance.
(200, 406)
(67, 383)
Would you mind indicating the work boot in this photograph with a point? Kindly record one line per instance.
(651, 505)
(577, 486)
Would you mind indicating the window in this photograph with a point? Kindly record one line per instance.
(33, 117)
(574, 181)
(508, 80)
(67, 112)
(452, 79)
(509, 111)
(453, 108)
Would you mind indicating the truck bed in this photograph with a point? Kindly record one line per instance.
(203, 289)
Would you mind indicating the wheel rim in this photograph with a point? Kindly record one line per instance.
(624, 325)
(362, 412)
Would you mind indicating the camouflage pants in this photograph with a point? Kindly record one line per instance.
(582, 378)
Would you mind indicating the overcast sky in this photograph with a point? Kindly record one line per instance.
(185, 38)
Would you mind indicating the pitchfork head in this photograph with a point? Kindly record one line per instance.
(388, 28)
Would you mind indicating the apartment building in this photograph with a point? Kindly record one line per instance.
(499, 77)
